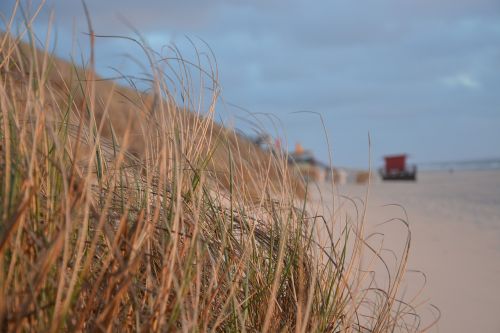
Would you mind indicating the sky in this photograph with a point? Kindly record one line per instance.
(420, 77)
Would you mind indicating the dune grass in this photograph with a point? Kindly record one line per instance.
(127, 211)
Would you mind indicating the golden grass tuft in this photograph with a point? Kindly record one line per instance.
(124, 211)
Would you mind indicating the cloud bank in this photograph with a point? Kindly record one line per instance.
(420, 76)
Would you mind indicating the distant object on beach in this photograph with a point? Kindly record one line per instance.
(396, 169)
(362, 177)
(306, 164)
(311, 169)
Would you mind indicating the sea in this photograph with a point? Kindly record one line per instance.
(476, 164)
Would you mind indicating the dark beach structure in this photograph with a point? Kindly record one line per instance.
(396, 169)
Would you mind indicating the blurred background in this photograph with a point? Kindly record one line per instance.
(420, 77)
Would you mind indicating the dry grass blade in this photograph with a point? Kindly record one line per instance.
(131, 211)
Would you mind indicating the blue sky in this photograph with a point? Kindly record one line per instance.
(421, 76)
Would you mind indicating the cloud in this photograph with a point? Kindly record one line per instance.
(365, 65)
(462, 80)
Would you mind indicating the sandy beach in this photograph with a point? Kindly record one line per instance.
(454, 219)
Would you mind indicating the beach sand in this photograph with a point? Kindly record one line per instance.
(454, 219)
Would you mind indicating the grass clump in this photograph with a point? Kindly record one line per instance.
(130, 211)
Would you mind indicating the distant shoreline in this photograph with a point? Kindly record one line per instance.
(467, 165)
(472, 165)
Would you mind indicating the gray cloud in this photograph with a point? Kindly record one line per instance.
(421, 75)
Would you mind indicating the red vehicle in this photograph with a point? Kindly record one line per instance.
(396, 168)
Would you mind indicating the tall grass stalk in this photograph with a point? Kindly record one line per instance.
(127, 211)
